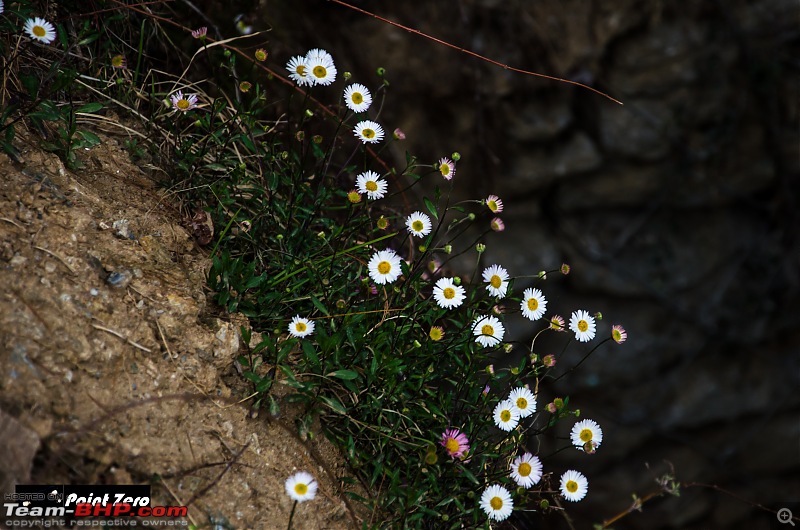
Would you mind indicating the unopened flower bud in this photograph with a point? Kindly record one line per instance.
(598, 315)
(456, 156)
(564, 269)
(381, 71)
(457, 280)
(448, 249)
(347, 75)
(471, 216)
(480, 247)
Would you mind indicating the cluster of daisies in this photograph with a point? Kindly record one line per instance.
(526, 469)
(317, 68)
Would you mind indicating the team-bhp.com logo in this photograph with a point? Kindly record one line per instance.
(81, 505)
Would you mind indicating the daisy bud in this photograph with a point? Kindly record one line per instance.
(300, 136)
(198, 123)
(417, 344)
(431, 457)
(423, 248)
(543, 275)
(534, 358)
(564, 269)
(590, 447)
(559, 403)
(457, 280)
(381, 71)
(470, 494)
(549, 361)
(551, 408)
(382, 223)
(471, 216)
(480, 247)
(340, 303)
(398, 134)
(508, 347)
(445, 517)
(261, 55)
(490, 370)
(321, 235)
(448, 249)
(486, 390)
(354, 197)
(279, 237)
(245, 86)
(317, 139)
(309, 113)
(515, 370)
(226, 53)
(497, 224)
(456, 156)
(598, 315)
(544, 504)
(347, 75)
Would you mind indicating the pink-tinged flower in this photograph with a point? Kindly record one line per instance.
(557, 323)
(486, 390)
(497, 224)
(183, 103)
(118, 62)
(455, 443)
(447, 168)
(200, 33)
(564, 269)
(261, 55)
(619, 334)
(494, 203)
(398, 134)
(549, 360)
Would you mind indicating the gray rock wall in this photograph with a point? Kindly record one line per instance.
(677, 212)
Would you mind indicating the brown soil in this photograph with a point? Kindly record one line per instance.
(112, 367)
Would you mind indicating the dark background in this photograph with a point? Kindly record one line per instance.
(677, 212)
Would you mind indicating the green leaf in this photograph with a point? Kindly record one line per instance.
(319, 305)
(334, 404)
(90, 107)
(90, 138)
(311, 353)
(347, 375)
(431, 207)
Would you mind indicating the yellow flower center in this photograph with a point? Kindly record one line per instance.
(452, 445)
(183, 104)
(435, 333)
(301, 70)
(524, 469)
(505, 415)
(417, 226)
(572, 486)
(354, 197)
(496, 281)
(496, 503)
(382, 223)
(533, 304)
(300, 327)
(522, 403)
(586, 435)
(117, 61)
(492, 206)
(616, 335)
(39, 31)
(357, 98)
(320, 71)
(384, 267)
(449, 293)
(368, 133)
(444, 169)
(300, 488)
(583, 325)
(371, 185)
(487, 330)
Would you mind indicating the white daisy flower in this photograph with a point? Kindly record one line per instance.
(497, 278)
(372, 184)
(301, 486)
(40, 29)
(357, 97)
(299, 72)
(183, 103)
(496, 502)
(506, 415)
(368, 132)
(574, 485)
(526, 470)
(447, 294)
(418, 224)
(488, 331)
(524, 400)
(320, 67)
(318, 54)
(582, 323)
(2, 7)
(586, 434)
(301, 327)
(384, 267)
(533, 303)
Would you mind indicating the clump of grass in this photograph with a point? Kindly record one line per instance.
(335, 255)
